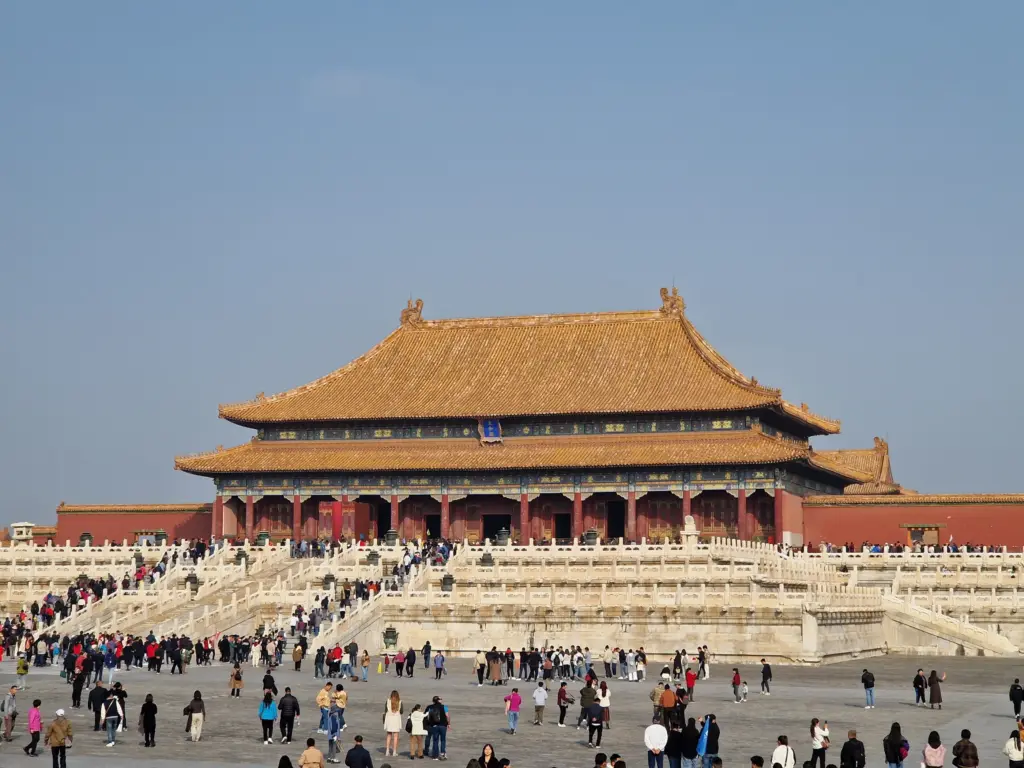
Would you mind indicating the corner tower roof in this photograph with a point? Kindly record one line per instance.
(596, 363)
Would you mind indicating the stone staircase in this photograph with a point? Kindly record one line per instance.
(915, 626)
(225, 587)
(28, 573)
(364, 621)
(98, 613)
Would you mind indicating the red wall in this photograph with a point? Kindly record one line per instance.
(117, 526)
(988, 524)
(793, 516)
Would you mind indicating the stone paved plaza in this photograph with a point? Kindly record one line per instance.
(975, 694)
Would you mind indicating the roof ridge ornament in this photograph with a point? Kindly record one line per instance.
(672, 303)
(413, 313)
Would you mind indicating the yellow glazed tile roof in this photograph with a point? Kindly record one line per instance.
(872, 463)
(913, 499)
(739, 447)
(81, 509)
(616, 362)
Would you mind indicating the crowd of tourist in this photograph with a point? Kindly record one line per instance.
(89, 663)
(899, 548)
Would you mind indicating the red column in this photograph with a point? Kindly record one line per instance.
(687, 507)
(394, 513)
(296, 518)
(337, 531)
(446, 517)
(217, 523)
(631, 515)
(577, 514)
(743, 522)
(524, 518)
(249, 518)
(778, 514)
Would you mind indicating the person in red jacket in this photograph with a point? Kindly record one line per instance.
(564, 700)
(736, 683)
(691, 681)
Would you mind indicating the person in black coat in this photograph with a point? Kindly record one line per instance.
(920, 684)
(148, 718)
(97, 696)
(713, 734)
(69, 668)
(410, 661)
(487, 758)
(357, 757)
(76, 691)
(852, 753)
(269, 684)
(674, 746)
(688, 740)
(1016, 696)
(288, 708)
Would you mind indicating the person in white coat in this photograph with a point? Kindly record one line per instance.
(112, 716)
(819, 741)
(1013, 750)
(783, 754)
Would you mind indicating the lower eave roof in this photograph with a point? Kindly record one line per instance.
(740, 447)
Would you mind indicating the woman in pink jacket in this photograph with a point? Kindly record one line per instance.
(35, 727)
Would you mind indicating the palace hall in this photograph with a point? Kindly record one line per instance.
(548, 427)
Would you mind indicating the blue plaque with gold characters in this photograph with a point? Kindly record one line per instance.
(490, 431)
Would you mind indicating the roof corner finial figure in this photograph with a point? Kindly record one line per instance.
(413, 313)
(672, 303)
(260, 397)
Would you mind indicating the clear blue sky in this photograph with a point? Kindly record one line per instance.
(201, 201)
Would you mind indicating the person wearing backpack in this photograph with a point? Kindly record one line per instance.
(895, 747)
(439, 722)
(236, 682)
(416, 728)
(868, 681)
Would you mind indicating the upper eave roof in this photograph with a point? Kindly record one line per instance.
(596, 363)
